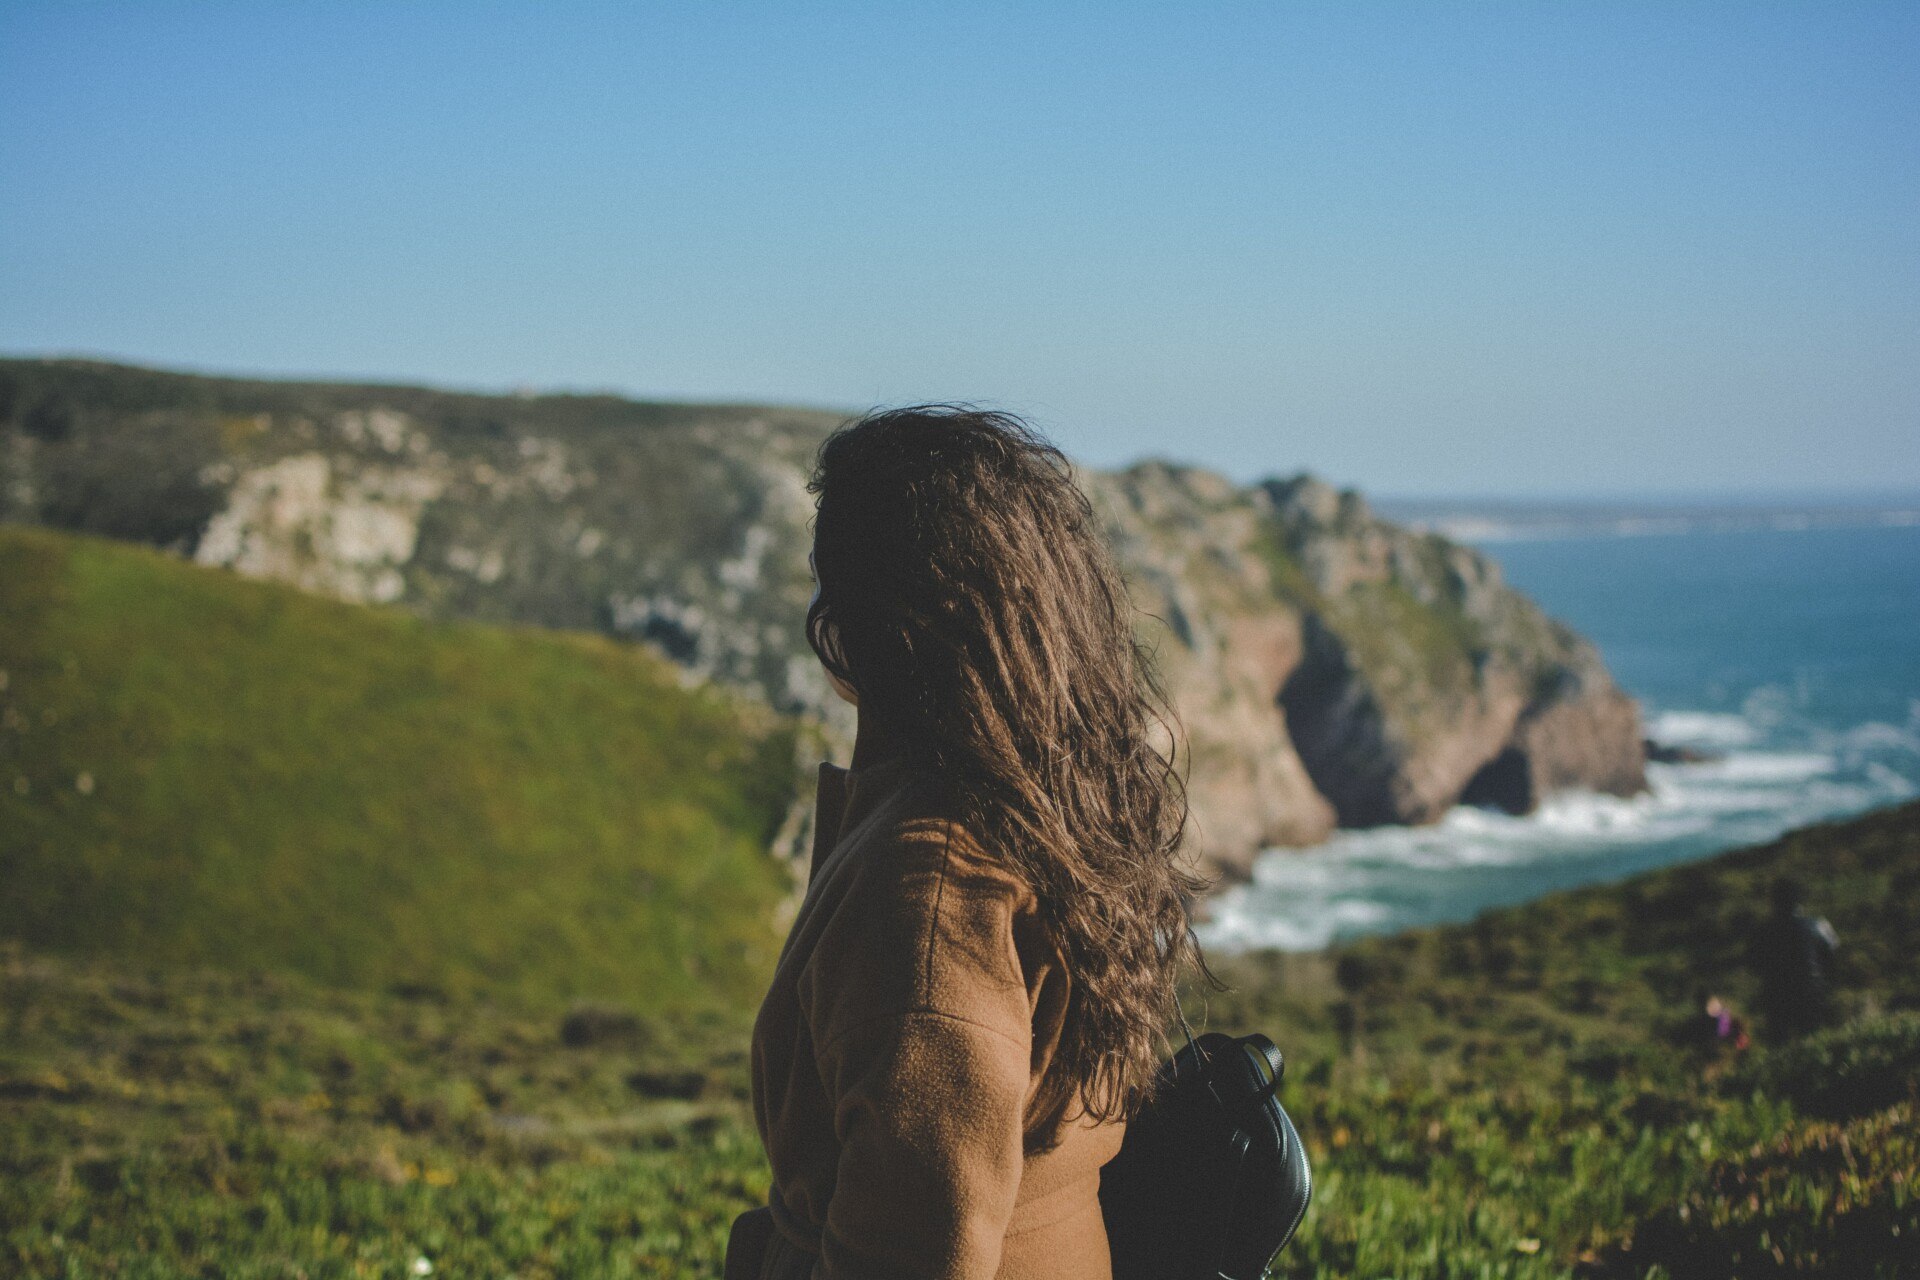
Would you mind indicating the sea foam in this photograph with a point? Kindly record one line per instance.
(1385, 878)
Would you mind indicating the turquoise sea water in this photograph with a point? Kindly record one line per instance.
(1793, 655)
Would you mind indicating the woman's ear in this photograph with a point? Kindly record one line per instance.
(848, 694)
(830, 637)
(823, 637)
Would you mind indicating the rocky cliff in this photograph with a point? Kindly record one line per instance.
(1328, 667)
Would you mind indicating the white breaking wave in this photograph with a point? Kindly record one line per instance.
(1746, 768)
(1701, 729)
(1878, 736)
(1387, 878)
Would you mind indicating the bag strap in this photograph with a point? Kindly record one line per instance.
(1178, 1011)
(1266, 1048)
(1182, 1015)
(1201, 1062)
(1277, 1069)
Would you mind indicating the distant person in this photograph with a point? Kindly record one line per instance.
(1792, 952)
(972, 997)
(1720, 1028)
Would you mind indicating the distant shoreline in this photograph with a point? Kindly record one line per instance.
(1514, 522)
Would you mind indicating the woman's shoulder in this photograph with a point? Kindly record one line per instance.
(926, 918)
(934, 864)
(920, 853)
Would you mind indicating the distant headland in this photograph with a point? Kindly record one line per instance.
(1330, 668)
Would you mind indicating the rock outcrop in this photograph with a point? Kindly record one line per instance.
(1426, 680)
(1195, 551)
(1327, 667)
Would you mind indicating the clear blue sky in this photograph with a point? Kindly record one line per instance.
(1434, 248)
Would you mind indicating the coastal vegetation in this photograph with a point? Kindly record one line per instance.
(1538, 1092)
(347, 940)
(1411, 673)
(197, 768)
(1524, 1096)
(347, 1052)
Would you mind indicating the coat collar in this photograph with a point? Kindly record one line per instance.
(845, 796)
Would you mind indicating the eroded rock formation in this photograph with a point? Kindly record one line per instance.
(1327, 667)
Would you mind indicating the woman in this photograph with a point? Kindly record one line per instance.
(972, 996)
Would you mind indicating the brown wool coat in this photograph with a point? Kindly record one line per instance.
(916, 1007)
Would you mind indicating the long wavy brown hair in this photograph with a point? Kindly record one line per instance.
(968, 597)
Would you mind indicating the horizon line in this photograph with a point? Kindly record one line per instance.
(1863, 497)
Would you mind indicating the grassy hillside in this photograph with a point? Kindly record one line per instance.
(1406, 664)
(196, 768)
(182, 1123)
(1531, 1095)
(1521, 1097)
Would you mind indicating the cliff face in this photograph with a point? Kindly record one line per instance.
(1334, 669)
(1426, 680)
(1327, 667)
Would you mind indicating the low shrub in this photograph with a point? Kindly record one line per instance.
(1846, 1071)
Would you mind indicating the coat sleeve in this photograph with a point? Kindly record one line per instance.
(928, 1112)
(924, 1044)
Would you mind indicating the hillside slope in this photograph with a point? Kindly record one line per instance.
(1534, 1093)
(199, 768)
(1327, 665)
(1524, 1098)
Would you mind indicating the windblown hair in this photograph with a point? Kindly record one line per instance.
(968, 597)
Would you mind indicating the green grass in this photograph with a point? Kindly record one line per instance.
(1525, 1096)
(1513, 1098)
(299, 986)
(199, 769)
(194, 1123)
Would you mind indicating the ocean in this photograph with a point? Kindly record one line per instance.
(1789, 652)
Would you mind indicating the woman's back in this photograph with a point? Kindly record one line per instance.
(973, 995)
(916, 1007)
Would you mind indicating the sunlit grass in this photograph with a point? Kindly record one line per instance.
(372, 947)
(196, 768)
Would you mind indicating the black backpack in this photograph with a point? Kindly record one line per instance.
(1211, 1180)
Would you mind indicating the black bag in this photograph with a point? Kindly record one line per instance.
(1211, 1180)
